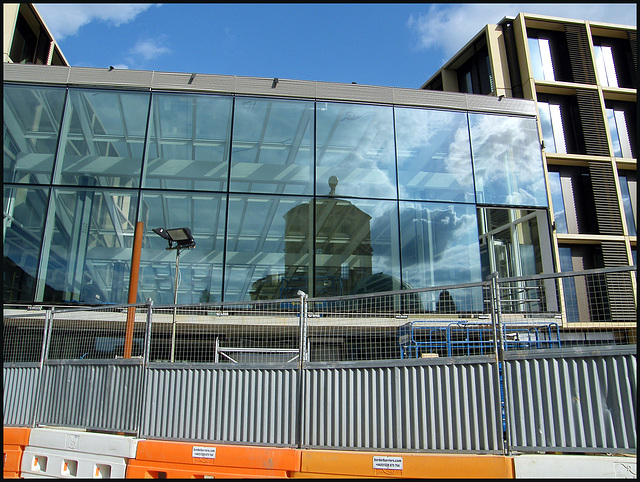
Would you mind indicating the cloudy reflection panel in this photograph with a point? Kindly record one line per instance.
(355, 143)
(25, 210)
(357, 248)
(200, 269)
(272, 146)
(268, 247)
(434, 155)
(31, 125)
(102, 138)
(188, 144)
(507, 160)
(89, 259)
(440, 247)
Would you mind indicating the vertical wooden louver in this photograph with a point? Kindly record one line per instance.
(605, 198)
(579, 54)
(619, 288)
(593, 127)
(633, 40)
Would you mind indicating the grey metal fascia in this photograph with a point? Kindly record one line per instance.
(262, 86)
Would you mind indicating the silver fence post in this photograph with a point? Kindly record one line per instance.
(44, 356)
(142, 397)
(302, 359)
(504, 403)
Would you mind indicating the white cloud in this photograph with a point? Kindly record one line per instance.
(65, 19)
(149, 48)
(449, 27)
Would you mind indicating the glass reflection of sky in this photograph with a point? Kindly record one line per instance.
(507, 159)
(434, 157)
(355, 143)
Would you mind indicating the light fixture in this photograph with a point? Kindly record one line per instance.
(178, 239)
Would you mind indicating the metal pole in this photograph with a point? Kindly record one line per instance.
(302, 359)
(501, 365)
(44, 356)
(133, 289)
(175, 302)
(143, 384)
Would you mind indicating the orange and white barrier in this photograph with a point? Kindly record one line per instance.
(164, 459)
(14, 441)
(348, 464)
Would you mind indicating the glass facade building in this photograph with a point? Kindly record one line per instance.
(328, 196)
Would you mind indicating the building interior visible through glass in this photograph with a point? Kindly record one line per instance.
(281, 195)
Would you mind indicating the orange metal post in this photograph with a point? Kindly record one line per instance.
(133, 288)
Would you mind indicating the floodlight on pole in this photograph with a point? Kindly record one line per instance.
(178, 239)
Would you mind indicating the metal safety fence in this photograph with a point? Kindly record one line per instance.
(376, 371)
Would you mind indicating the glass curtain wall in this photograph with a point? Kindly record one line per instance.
(281, 195)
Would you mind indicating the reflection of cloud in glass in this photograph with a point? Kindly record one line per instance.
(507, 159)
(434, 153)
(355, 143)
(439, 244)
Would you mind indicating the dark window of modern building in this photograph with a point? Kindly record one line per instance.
(560, 122)
(621, 120)
(189, 140)
(272, 146)
(434, 155)
(24, 44)
(355, 143)
(31, 123)
(549, 55)
(572, 187)
(614, 62)
(507, 160)
(474, 76)
(585, 297)
(557, 199)
(629, 191)
(103, 138)
(25, 210)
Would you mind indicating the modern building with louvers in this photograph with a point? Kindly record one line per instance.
(582, 77)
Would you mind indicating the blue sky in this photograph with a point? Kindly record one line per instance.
(398, 45)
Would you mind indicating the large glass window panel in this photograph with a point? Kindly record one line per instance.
(269, 247)
(605, 66)
(357, 247)
(552, 127)
(200, 268)
(102, 138)
(434, 155)
(619, 133)
(272, 146)
(629, 192)
(507, 159)
(88, 251)
(31, 126)
(188, 144)
(541, 63)
(23, 222)
(559, 215)
(440, 247)
(355, 144)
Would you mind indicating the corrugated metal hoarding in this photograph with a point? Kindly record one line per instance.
(437, 406)
(583, 401)
(19, 387)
